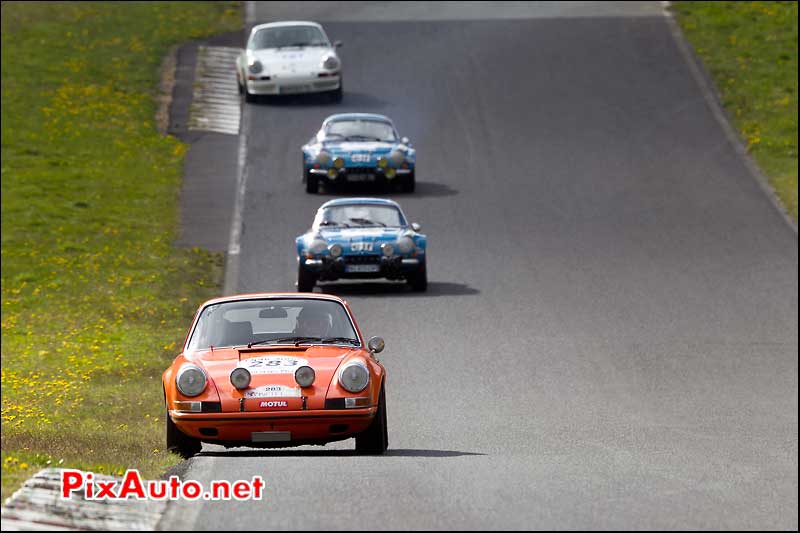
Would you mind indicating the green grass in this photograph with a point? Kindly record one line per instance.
(95, 297)
(750, 49)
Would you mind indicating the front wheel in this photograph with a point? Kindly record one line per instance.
(409, 182)
(419, 280)
(375, 439)
(337, 94)
(312, 183)
(179, 442)
(249, 97)
(305, 279)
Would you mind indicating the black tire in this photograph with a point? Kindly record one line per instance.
(419, 280)
(375, 439)
(239, 83)
(337, 95)
(409, 183)
(305, 279)
(249, 97)
(312, 183)
(179, 442)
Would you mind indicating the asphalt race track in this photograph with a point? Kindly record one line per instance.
(609, 339)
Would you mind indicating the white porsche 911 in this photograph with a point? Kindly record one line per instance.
(289, 58)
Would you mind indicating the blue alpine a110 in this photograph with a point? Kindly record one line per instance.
(361, 238)
(358, 147)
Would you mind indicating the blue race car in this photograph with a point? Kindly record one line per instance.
(361, 238)
(358, 147)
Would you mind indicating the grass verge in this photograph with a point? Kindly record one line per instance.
(95, 297)
(750, 49)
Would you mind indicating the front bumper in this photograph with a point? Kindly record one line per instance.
(359, 174)
(293, 85)
(302, 426)
(328, 269)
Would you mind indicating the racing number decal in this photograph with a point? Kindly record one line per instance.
(361, 246)
(273, 365)
(360, 158)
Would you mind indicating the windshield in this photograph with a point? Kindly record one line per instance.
(359, 215)
(286, 36)
(370, 130)
(282, 321)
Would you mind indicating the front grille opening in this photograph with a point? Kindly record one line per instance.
(362, 259)
(339, 428)
(209, 432)
(211, 407)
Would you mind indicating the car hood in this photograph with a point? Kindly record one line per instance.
(272, 369)
(347, 237)
(291, 60)
(360, 147)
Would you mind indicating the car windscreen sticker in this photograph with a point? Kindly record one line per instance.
(273, 391)
(277, 364)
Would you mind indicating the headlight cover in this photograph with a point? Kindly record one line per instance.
(255, 66)
(397, 157)
(240, 378)
(387, 249)
(317, 246)
(354, 377)
(191, 380)
(304, 376)
(330, 63)
(335, 250)
(405, 244)
(323, 157)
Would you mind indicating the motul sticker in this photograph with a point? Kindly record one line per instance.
(276, 364)
(275, 403)
(272, 391)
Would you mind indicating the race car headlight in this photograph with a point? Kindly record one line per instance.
(390, 173)
(330, 63)
(354, 377)
(240, 378)
(304, 376)
(255, 67)
(335, 250)
(318, 246)
(338, 162)
(383, 162)
(323, 158)
(191, 380)
(405, 244)
(387, 249)
(397, 157)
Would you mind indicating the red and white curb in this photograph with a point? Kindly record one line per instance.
(216, 103)
(38, 506)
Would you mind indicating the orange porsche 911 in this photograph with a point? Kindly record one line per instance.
(275, 370)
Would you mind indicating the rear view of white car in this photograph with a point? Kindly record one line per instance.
(289, 58)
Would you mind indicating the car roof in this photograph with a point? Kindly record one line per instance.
(286, 23)
(360, 201)
(356, 116)
(274, 295)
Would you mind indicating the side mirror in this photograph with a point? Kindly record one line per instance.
(404, 140)
(337, 44)
(376, 345)
(415, 226)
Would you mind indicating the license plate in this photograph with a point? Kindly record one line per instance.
(360, 177)
(291, 89)
(362, 268)
(271, 436)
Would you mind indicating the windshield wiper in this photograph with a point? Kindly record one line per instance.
(295, 340)
(347, 340)
(368, 137)
(367, 221)
(333, 223)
